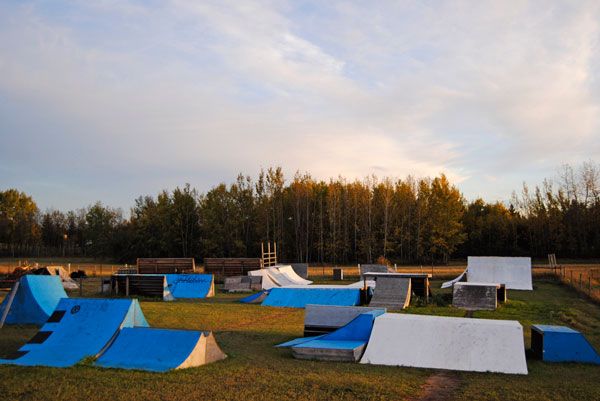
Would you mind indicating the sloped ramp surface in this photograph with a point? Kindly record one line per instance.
(478, 345)
(346, 344)
(255, 298)
(160, 350)
(392, 293)
(189, 286)
(77, 329)
(514, 272)
(291, 275)
(35, 299)
(561, 344)
(300, 296)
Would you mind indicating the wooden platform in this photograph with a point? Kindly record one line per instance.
(165, 265)
(144, 285)
(334, 355)
(420, 285)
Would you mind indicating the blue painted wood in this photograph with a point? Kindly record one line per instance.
(562, 344)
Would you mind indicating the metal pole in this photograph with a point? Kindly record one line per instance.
(9, 302)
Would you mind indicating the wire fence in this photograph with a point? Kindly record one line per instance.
(584, 280)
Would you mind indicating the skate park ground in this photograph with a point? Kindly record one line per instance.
(255, 370)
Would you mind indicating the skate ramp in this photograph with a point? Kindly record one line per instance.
(478, 345)
(255, 298)
(35, 299)
(323, 319)
(514, 272)
(300, 296)
(267, 282)
(78, 328)
(346, 344)
(160, 350)
(561, 344)
(189, 286)
(291, 275)
(392, 293)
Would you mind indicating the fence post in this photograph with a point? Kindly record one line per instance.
(590, 285)
(80, 286)
(580, 281)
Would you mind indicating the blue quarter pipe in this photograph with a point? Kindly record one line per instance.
(35, 300)
(78, 328)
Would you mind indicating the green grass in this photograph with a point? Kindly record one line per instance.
(255, 370)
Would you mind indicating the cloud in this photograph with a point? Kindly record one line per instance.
(143, 95)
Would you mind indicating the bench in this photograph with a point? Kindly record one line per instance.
(228, 267)
(165, 265)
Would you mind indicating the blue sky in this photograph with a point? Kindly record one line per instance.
(109, 100)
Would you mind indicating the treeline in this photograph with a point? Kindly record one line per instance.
(407, 220)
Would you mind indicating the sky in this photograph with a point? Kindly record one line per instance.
(110, 100)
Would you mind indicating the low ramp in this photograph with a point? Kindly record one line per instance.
(371, 268)
(478, 345)
(323, 319)
(34, 301)
(346, 344)
(561, 344)
(255, 298)
(160, 350)
(190, 286)
(78, 328)
(300, 296)
(392, 293)
(475, 296)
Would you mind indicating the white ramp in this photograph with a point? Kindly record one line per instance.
(478, 345)
(288, 271)
(267, 282)
(515, 273)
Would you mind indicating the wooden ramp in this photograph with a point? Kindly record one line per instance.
(392, 293)
(477, 296)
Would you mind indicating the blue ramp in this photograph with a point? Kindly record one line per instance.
(561, 344)
(345, 344)
(255, 298)
(299, 297)
(159, 350)
(190, 285)
(35, 300)
(78, 328)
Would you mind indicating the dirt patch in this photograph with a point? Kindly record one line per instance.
(439, 387)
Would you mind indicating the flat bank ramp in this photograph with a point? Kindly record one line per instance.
(160, 350)
(78, 328)
(300, 296)
(34, 301)
(478, 345)
(391, 293)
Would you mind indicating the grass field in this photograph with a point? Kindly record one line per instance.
(255, 370)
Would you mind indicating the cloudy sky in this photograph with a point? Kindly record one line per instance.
(109, 100)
